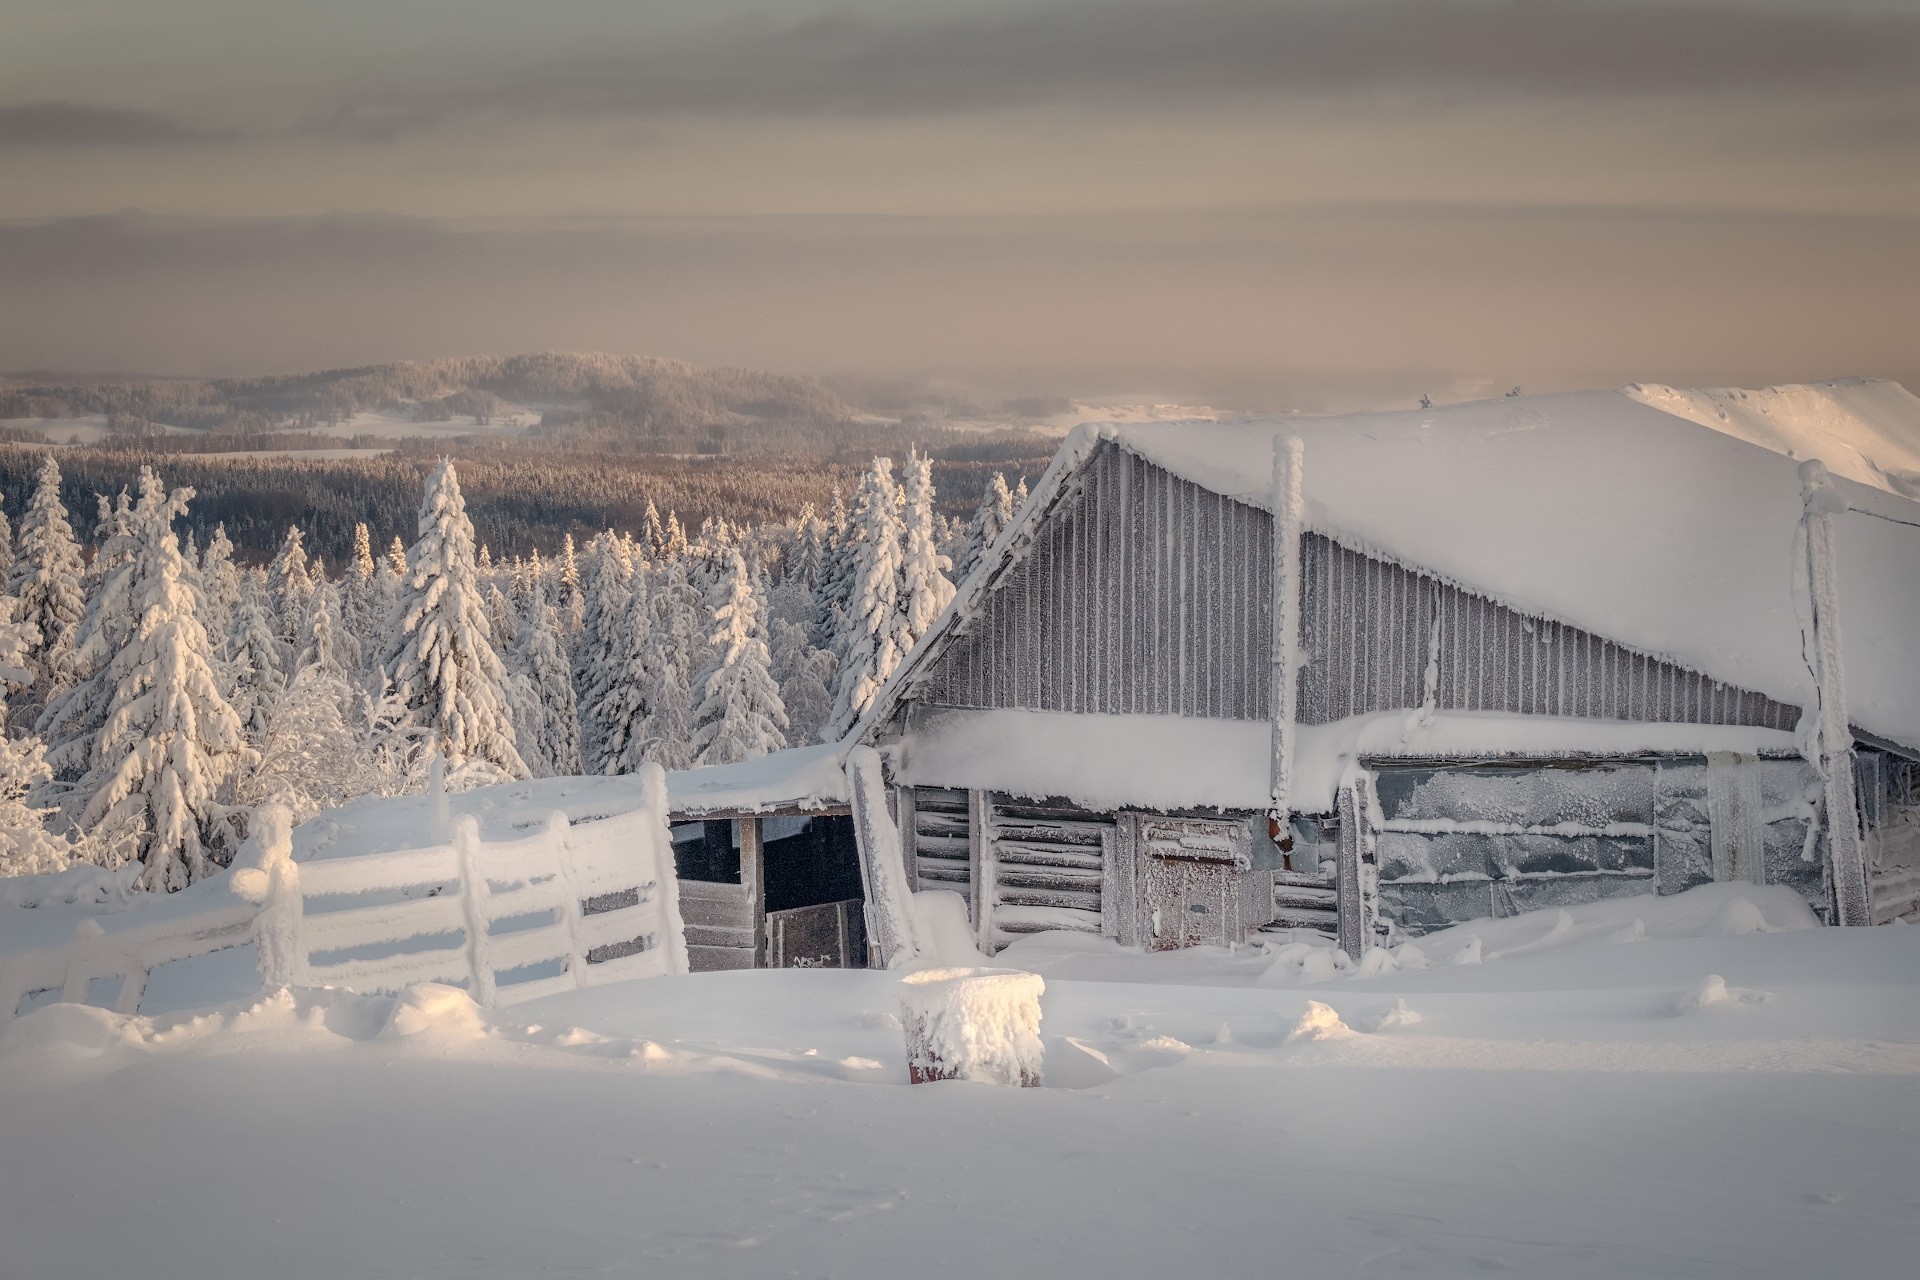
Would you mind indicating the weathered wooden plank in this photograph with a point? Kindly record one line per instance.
(1018, 852)
(1016, 896)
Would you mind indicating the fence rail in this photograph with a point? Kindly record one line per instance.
(568, 906)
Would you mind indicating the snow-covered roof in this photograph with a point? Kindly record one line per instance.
(797, 778)
(1594, 508)
(1866, 429)
(1599, 510)
(1176, 762)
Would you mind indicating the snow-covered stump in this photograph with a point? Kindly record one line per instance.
(972, 1024)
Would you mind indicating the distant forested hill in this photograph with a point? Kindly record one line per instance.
(612, 404)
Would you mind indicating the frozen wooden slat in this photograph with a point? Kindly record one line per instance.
(377, 872)
(392, 922)
(1019, 852)
(1083, 900)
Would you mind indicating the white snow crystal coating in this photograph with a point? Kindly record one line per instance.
(973, 1024)
(1713, 990)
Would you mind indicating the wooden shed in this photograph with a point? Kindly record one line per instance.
(768, 865)
(1541, 650)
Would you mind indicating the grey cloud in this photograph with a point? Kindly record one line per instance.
(852, 64)
(1545, 297)
(79, 124)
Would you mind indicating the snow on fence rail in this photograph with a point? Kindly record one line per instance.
(566, 907)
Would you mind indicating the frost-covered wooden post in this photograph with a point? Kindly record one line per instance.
(658, 861)
(1288, 458)
(983, 872)
(86, 941)
(883, 871)
(1357, 890)
(473, 900)
(972, 1024)
(753, 878)
(279, 946)
(1832, 734)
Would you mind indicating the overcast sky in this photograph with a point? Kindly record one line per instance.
(1548, 192)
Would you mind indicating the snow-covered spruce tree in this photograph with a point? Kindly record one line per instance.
(328, 647)
(440, 656)
(6, 547)
(738, 714)
(566, 597)
(254, 666)
(71, 719)
(503, 621)
(671, 656)
(995, 513)
(46, 579)
(290, 582)
(628, 705)
(835, 584)
(170, 740)
(874, 637)
(310, 754)
(360, 608)
(805, 676)
(219, 581)
(547, 718)
(27, 848)
(652, 533)
(925, 588)
(599, 648)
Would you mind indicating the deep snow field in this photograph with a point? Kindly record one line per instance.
(1702, 1085)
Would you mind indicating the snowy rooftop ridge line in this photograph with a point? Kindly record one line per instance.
(1592, 508)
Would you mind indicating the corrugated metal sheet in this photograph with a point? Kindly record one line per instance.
(1147, 594)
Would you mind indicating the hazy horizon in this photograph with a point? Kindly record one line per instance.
(1375, 198)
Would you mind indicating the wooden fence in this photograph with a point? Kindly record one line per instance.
(569, 906)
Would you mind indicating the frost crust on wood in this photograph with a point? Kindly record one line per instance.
(972, 1024)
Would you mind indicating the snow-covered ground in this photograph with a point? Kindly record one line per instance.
(1694, 1086)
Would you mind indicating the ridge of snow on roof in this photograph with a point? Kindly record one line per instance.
(1599, 510)
(1866, 429)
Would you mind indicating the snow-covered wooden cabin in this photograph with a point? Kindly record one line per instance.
(1544, 649)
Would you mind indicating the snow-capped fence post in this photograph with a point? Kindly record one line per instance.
(972, 1024)
(1356, 890)
(1288, 459)
(883, 871)
(659, 860)
(1832, 734)
(473, 894)
(274, 882)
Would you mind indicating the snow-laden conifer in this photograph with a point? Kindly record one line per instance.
(673, 653)
(27, 848)
(925, 588)
(311, 753)
(219, 582)
(290, 583)
(46, 579)
(441, 658)
(994, 514)
(546, 715)
(627, 705)
(71, 719)
(360, 607)
(738, 714)
(600, 648)
(874, 637)
(805, 676)
(170, 740)
(254, 665)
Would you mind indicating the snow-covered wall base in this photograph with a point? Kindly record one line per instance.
(972, 1024)
(1467, 842)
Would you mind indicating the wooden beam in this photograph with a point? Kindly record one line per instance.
(753, 878)
(1833, 752)
(1358, 907)
(1288, 456)
(909, 835)
(981, 866)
